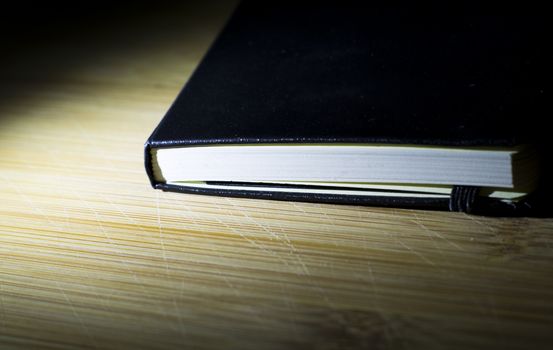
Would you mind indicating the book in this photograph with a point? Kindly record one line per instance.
(380, 105)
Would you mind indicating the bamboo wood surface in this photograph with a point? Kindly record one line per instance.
(92, 257)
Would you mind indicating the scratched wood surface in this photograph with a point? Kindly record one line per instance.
(92, 257)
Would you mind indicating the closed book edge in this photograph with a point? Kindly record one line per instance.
(461, 199)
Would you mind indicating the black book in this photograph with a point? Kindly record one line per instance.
(380, 105)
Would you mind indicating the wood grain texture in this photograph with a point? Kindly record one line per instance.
(92, 257)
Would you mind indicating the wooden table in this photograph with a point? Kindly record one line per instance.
(92, 257)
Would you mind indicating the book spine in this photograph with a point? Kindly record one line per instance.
(148, 163)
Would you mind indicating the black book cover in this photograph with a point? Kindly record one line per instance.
(325, 73)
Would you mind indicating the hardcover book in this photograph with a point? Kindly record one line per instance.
(380, 105)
